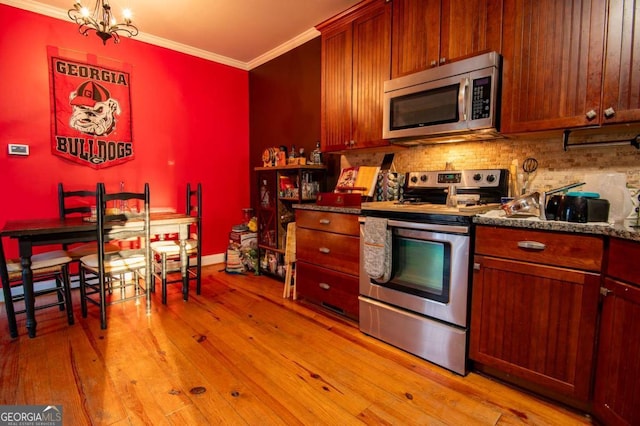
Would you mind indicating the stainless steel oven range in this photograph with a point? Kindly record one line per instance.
(422, 305)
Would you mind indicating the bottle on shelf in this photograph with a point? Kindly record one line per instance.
(316, 155)
(264, 194)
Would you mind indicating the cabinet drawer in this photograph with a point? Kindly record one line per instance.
(551, 248)
(340, 223)
(622, 259)
(333, 251)
(331, 289)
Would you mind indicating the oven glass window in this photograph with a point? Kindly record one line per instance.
(427, 108)
(421, 268)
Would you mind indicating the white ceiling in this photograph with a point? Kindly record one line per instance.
(240, 33)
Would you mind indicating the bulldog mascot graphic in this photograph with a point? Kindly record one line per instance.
(94, 111)
(91, 118)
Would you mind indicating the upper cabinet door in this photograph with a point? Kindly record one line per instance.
(621, 84)
(552, 64)
(469, 28)
(336, 88)
(371, 67)
(356, 60)
(416, 36)
(428, 33)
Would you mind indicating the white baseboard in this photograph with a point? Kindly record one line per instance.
(210, 259)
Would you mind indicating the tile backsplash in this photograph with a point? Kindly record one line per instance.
(556, 167)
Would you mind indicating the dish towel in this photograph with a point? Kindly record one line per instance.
(377, 249)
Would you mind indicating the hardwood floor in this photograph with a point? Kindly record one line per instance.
(240, 354)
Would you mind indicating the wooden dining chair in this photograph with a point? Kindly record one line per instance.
(166, 258)
(51, 273)
(78, 203)
(122, 270)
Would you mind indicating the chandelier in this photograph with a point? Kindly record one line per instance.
(101, 21)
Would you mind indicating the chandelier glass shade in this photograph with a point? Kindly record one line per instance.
(101, 21)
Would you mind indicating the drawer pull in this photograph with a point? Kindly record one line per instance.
(324, 286)
(324, 250)
(324, 221)
(531, 245)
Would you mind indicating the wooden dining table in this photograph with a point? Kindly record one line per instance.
(46, 231)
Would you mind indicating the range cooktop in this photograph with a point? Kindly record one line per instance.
(425, 195)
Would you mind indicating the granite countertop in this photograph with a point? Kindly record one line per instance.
(313, 206)
(620, 230)
(623, 230)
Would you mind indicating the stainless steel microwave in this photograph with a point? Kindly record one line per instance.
(457, 99)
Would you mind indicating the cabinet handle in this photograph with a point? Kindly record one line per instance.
(324, 250)
(605, 291)
(324, 221)
(476, 266)
(531, 245)
(443, 60)
(591, 114)
(609, 112)
(324, 286)
(433, 63)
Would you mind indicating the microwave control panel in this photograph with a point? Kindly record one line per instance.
(481, 98)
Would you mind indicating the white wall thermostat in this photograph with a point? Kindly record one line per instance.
(18, 149)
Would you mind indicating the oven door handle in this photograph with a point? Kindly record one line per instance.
(458, 229)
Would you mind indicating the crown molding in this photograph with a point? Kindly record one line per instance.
(301, 39)
(57, 13)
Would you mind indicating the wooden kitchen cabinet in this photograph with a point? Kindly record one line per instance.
(279, 188)
(428, 33)
(534, 309)
(617, 383)
(621, 81)
(569, 64)
(355, 62)
(328, 260)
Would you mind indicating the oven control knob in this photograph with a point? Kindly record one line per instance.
(414, 179)
(477, 177)
(424, 178)
(491, 178)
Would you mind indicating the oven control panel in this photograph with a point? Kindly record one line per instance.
(481, 178)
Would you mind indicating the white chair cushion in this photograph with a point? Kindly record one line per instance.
(115, 262)
(172, 247)
(41, 261)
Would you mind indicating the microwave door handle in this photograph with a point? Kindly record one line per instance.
(462, 98)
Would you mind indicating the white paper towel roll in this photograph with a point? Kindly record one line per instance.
(612, 187)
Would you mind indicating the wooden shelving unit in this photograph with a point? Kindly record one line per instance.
(279, 188)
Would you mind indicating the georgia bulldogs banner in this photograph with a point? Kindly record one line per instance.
(90, 109)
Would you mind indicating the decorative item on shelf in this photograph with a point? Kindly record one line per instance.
(287, 187)
(265, 197)
(281, 156)
(316, 155)
(102, 21)
(269, 157)
(293, 155)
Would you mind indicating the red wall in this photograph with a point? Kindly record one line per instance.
(190, 124)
